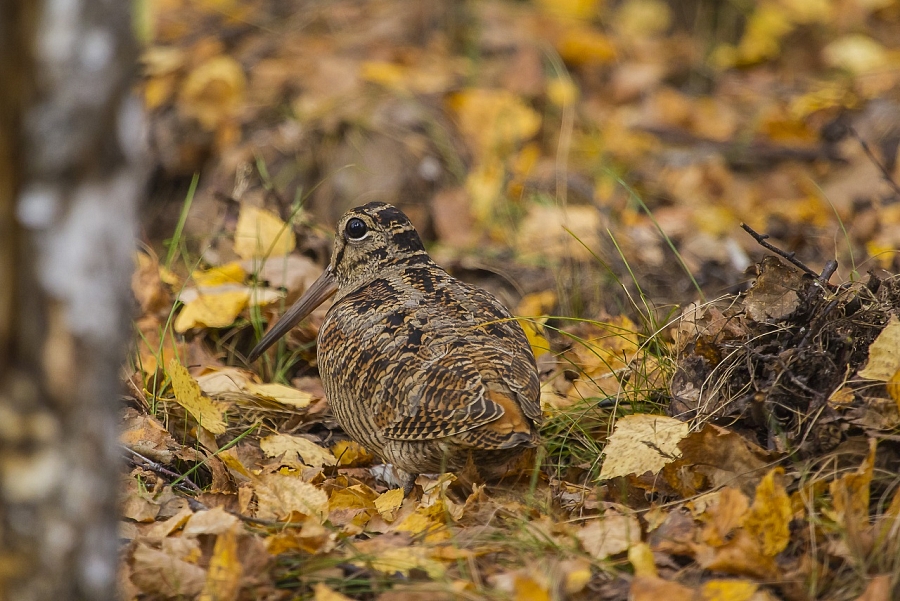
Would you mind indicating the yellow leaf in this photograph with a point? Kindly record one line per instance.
(884, 353)
(388, 503)
(310, 453)
(494, 120)
(539, 343)
(403, 560)
(893, 387)
(187, 394)
(585, 46)
(641, 558)
(562, 91)
(642, 18)
(571, 9)
(223, 578)
(261, 233)
(280, 393)
(850, 495)
(856, 53)
(728, 590)
(770, 515)
(484, 184)
(212, 310)
(357, 496)
(528, 588)
(213, 92)
(230, 273)
(642, 443)
(390, 75)
(350, 453)
(279, 496)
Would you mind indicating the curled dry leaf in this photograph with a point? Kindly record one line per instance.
(223, 578)
(155, 571)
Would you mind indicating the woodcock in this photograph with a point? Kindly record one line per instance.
(420, 368)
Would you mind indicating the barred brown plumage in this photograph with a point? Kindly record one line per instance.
(422, 369)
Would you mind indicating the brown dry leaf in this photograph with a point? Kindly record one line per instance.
(137, 503)
(642, 443)
(213, 92)
(884, 353)
(294, 447)
(160, 530)
(850, 495)
(720, 456)
(559, 233)
(223, 578)
(216, 381)
(770, 516)
(145, 435)
(280, 393)
(610, 534)
(157, 572)
(878, 589)
(740, 556)
(147, 285)
(279, 496)
(350, 453)
(260, 233)
(723, 515)
(187, 394)
(212, 521)
(775, 294)
(651, 588)
(215, 308)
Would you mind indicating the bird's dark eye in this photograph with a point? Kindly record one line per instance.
(356, 229)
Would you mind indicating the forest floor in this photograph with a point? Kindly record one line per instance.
(720, 402)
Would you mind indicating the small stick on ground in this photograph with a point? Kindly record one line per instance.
(159, 469)
(761, 239)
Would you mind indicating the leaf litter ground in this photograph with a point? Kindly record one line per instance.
(741, 448)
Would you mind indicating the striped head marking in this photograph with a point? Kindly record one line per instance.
(371, 238)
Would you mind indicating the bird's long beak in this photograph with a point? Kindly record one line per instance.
(314, 296)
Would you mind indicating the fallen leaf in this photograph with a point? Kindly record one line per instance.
(350, 453)
(322, 592)
(156, 572)
(293, 447)
(279, 496)
(642, 443)
(213, 309)
(230, 273)
(884, 353)
(388, 504)
(770, 516)
(212, 521)
(187, 394)
(610, 534)
(728, 590)
(223, 577)
(261, 233)
(213, 91)
(280, 393)
(651, 588)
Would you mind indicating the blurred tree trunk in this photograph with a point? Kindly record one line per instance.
(70, 155)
